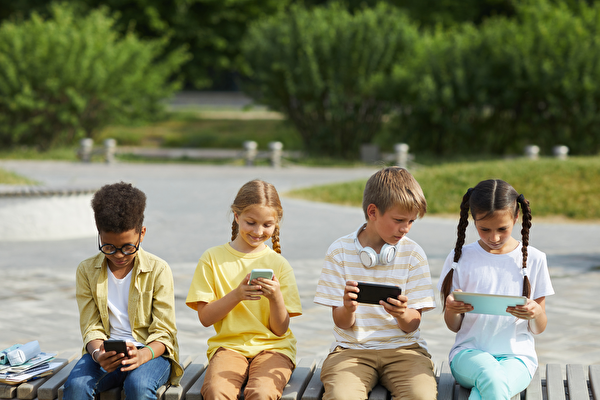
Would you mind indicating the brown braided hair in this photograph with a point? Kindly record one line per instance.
(260, 193)
(483, 200)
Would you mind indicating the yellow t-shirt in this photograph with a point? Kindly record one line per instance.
(246, 328)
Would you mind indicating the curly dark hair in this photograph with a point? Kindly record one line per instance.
(119, 207)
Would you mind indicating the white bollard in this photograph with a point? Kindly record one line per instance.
(401, 151)
(276, 151)
(250, 152)
(532, 152)
(110, 147)
(561, 152)
(85, 149)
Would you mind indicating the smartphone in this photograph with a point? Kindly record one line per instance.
(372, 293)
(261, 273)
(120, 346)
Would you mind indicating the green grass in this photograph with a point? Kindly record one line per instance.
(187, 129)
(568, 188)
(10, 178)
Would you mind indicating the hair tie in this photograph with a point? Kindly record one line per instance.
(469, 190)
(454, 265)
(524, 272)
(521, 198)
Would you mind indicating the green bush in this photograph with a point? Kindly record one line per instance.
(504, 85)
(315, 66)
(66, 77)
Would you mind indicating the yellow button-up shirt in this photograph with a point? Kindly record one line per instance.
(151, 305)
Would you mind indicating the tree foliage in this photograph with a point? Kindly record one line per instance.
(504, 85)
(210, 30)
(68, 76)
(315, 66)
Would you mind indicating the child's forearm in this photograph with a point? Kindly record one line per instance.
(279, 318)
(343, 318)
(209, 313)
(453, 320)
(410, 320)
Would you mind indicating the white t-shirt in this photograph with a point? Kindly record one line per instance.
(374, 327)
(479, 271)
(118, 315)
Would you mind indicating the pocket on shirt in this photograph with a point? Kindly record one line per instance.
(144, 308)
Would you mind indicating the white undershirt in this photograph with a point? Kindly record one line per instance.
(118, 299)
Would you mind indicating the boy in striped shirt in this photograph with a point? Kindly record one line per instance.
(379, 342)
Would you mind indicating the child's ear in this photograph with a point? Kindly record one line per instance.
(372, 212)
(236, 218)
(143, 233)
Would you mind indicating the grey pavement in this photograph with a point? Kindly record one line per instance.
(188, 212)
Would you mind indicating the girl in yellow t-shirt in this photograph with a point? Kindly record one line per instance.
(253, 342)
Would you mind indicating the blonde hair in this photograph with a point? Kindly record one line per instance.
(259, 193)
(394, 186)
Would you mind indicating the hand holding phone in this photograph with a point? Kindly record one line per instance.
(120, 346)
(261, 273)
(373, 293)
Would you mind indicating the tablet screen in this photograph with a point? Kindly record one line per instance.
(493, 304)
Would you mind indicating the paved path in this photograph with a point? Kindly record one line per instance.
(188, 211)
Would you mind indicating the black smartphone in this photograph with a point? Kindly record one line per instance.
(372, 293)
(120, 346)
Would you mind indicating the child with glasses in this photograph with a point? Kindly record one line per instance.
(119, 279)
(253, 342)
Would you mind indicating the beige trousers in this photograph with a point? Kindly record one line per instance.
(266, 375)
(407, 372)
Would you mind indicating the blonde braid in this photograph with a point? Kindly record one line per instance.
(275, 240)
(234, 230)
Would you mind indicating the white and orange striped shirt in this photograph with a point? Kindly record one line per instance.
(374, 327)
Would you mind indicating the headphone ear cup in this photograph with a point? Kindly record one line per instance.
(368, 257)
(387, 254)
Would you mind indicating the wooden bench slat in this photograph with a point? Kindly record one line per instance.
(445, 382)
(462, 393)
(49, 390)
(534, 390)
(576, 382)
(299, 379)
(28, 390)
(594, 372)
(378, 393)
(314, 389)
(194, 392)
(192, 373)
(555, 385)
(7, 391)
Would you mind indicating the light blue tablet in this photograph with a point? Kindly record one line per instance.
(493, 304)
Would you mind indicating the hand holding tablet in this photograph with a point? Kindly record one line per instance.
(493, 304)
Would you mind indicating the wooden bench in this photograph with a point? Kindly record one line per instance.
(30, 389)
(549, 383)
(574, 386)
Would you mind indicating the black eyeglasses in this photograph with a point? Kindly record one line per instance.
(127, 249)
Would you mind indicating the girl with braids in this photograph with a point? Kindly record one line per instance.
(495, 355)
(253, 342)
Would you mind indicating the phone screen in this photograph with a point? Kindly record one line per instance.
(372, 293)
(261, 273)
(120, 346)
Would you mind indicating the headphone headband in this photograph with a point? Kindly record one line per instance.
(369, 257)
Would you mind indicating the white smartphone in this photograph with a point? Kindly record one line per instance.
(261, 273)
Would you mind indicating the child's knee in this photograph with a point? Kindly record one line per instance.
(261, 393)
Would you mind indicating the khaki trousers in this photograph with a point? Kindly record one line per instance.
(407, 372)
(266, 375)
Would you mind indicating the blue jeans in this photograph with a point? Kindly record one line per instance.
(88, 378)
(493, 378)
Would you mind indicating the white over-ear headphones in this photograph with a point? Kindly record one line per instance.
(369, 257)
